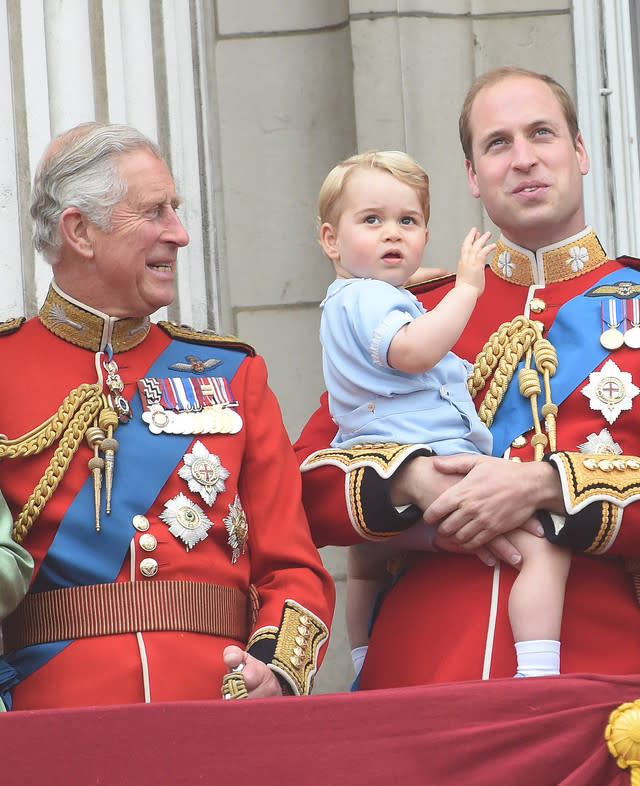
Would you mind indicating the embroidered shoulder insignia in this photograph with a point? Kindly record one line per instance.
(623, 290)
(206, 337)
(11, 325)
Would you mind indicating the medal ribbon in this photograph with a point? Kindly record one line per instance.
(616, 313)
(577, 358)
(80, 556)
(217, 391)
(188, 394)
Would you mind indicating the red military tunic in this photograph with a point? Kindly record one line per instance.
(272, 563)
(446, 617)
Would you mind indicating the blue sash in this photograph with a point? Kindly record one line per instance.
(78, 554)
(572, 335)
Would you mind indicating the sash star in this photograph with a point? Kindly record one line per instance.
(203, 472)
(237, 528)
(600, 443)
(186, 520)
(610, 390)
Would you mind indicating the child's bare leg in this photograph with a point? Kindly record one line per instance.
(366, 572)
(367, 575)
(536, 602)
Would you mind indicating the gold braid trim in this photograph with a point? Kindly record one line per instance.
(588, 477)
(500, 356)
(383, 457)
(44, 435)
(299, 638)
(69, 424)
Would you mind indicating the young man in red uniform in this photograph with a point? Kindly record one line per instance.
(146, 466)
(553, 299)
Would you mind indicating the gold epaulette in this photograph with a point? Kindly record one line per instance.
(208, 337)
(11, 325)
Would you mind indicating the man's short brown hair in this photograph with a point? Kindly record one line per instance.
(491, 78)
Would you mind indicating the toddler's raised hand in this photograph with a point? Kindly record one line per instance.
(473, 258)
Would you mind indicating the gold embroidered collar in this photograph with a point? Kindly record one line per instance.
(569, 258)
(88, 328)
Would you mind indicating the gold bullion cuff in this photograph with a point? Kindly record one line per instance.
(383, 457)
(367, 471)
(592, 531)
(588, 478)
(295, 657)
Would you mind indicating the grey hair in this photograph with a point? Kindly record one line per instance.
(80, 169)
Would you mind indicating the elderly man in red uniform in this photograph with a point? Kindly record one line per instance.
(554, 301)
(146, 466)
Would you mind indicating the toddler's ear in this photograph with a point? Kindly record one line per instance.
(329, 241)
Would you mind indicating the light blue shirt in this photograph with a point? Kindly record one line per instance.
(372, 402)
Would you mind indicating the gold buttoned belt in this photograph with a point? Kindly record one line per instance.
(127, 607)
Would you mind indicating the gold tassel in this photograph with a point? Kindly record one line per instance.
(108, 422)
(623, 738)
(78, 411)
(95, 437)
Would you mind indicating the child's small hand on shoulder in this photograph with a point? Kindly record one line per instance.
(473, 258)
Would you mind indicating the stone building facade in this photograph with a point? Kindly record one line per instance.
(254, 101)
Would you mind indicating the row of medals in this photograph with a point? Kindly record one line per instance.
(212, 419)
(612, 337)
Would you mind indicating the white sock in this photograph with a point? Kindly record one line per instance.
(537, 658)
(358, 655)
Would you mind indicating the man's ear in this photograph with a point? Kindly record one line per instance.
(582, 155)
(329, 241)
(472, 179)
(75, 231)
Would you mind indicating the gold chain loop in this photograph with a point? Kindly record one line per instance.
(500, 356)
(69, 424)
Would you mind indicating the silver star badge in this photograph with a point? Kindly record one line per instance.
(600, 443)
(610, 390)
(237, 529)
(203, 472)
(186, 520)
